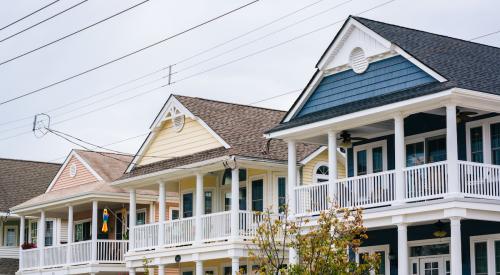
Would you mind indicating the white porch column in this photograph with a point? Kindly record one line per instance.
(400, 162)
(41, 236)
(292, 183)
(94, 231)
(403, 267)
(162, 212)
(235, 206)
(70, 233)
(235, 265)
(452, 149)
(131, 271)
(161, 269)
(199, 208)
(21, 240)
(132, 220)
(455, 246)
(332, 166)
(199, 267)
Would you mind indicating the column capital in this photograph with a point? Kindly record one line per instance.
(160, 182)
(399, 115)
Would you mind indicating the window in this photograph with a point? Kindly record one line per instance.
(436, 149)
(174, 213)
(429, 250)
(361, 165)
(415, 154)
(497, 257)
(281, 193)
(481, 258)
(227, 201)
(119, 226)
(258, 195)
(424, 150)
(495, 143)
(226, 178)
(34, 232)
(187, 205)
(377, 159)
(476, 143)
(49, 233)
(10, 235)
(383, 251)
(83, 231)
(208, 202)
(321, 173)
(242, 199)
(141, 217)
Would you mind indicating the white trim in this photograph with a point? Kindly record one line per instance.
(337, 44)
(16, 235)
(170, 209)
(265, 198)
(490, 248)
(369, 155)
(313, 155)
(486, 126)
(81, 160)
(172, 102)
(373, 249)
(181, 206)
(428, 242)
(275, 187)
(315, 175)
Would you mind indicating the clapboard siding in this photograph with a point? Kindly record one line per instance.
(308, 169)
(382, 77)
(169, 143)
(83, 176)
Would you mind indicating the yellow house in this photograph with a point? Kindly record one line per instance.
(209, 152)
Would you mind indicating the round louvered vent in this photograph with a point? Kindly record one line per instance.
(358, 60)
(178, 122)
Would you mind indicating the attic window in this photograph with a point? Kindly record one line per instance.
(178, 122)
(358, 60)
(72, 170)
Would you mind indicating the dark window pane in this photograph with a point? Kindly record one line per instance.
(175, 214)
(428, 250)
(476, 144)
(481, 258)
(226, 178)
(436, 149)
(243, 198)
(497, 257)
(377, 159)
(281, 193)
(208, 202)
(227, 201)
(187, 205)
(415, 154)
(495, 143)
(361, 162)
(141, 218)
(258, 195)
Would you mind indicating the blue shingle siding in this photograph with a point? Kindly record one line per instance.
(382, 77)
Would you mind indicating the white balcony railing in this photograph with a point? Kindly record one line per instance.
(146, 236)
(426, 181)
(216, 226)
(312, 198)
(479, 180)
(108, 251)
(179, 232)
(249, 222)
(366, 191)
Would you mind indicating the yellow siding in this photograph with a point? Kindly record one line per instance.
(308, 169)
(169, 143)
(190, 183)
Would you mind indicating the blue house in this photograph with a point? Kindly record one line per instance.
(416, 114)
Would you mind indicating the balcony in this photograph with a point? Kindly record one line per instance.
(423, 182)
(80, 253)
(216, 227)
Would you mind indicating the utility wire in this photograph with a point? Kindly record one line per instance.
(484, 35)
(128, 54)
(28, 15)
(71, 34)
(166, 67)
(43, 21)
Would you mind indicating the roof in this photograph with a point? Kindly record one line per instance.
(241, 126)
(8, 266)
(109, 166)
(464, 64)
(21, 180)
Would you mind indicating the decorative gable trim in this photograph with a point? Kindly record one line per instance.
(332, 50)
(73, 154)
(171, 108)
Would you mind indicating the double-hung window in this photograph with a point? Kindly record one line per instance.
(187, 205)
(370, 158)
(485, 254)
(495, 143)
(382, 251)
(281, 194)
(483, 141)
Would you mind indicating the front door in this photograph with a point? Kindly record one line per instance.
(439, 265)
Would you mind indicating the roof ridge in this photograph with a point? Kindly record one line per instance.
(35, 161)
(427, 32)
(104, 152)
(230, 103)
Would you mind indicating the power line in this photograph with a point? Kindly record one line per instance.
(43, 21)
(71, 34)
(28, 15)
(128, 54)
(484, 35)
(165, 67)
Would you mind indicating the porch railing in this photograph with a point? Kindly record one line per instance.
(179, 232)
(312, 198)
(426, 181)
(108, 251)
(479, 180)
(216, 226)
(249, 222)
(146, 235)
(366, 191)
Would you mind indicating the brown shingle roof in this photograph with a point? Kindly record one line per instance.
(109, 166)
(241, 126)
(21, 180)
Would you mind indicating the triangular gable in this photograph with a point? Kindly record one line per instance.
(176, 132)
(74, 171)
(343, 63)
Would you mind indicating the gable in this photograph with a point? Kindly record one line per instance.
(308, 170)
(168, 142)
(65, 178)
(382, 77)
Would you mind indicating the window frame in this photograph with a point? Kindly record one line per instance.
(315, 174)
(170, 211)
(486, 126)
(16, 235)
(490, 250)
(376, 248)
(140, 211)
(250, 194)
(423, 137)
(78, 222)
(276, 198)
(369, 155)
(187, 191)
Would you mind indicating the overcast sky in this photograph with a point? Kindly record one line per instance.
(272, 72)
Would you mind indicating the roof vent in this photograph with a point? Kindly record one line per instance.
(178, 122)
(358, 60)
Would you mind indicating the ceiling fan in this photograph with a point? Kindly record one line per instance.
(347, 139)
(464, 116)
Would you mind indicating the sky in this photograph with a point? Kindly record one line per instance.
(254, 67)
